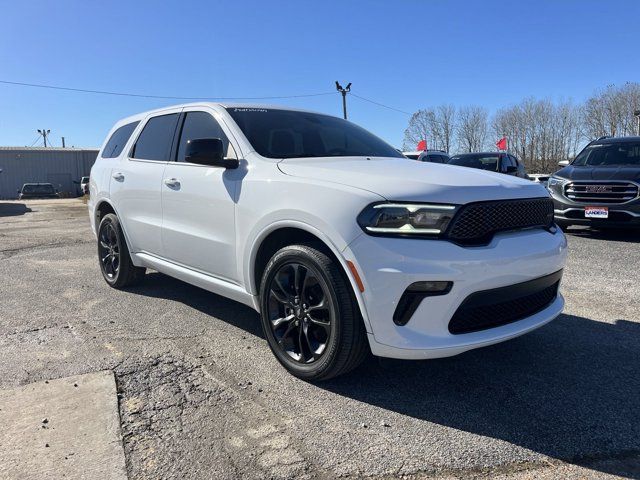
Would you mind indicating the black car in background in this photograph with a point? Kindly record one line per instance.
(431, 156)
(37, 190)
(492, 161)
(601, 187)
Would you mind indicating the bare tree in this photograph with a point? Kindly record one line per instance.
(436, 126)
(419, 129)
(610, 111)
(472, 128)
(540, 132)
(445, 118)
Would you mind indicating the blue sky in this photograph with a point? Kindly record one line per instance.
(408, 54)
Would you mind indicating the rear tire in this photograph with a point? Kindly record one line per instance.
(113, 255)
(309, 314)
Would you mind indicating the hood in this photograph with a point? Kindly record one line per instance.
(613, 172)
(409, 180)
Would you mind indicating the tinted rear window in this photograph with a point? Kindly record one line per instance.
(154, 142)
(476, 160)
(275, 133)
(118, 140)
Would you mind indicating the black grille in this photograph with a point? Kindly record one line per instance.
(601, 192)
(476, 223)
(499, 306)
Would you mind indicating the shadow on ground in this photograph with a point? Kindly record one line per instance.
(610, 234)
(157, 285)
(13, 209)
(570, 390)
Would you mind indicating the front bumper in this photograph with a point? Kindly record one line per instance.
(620, 215)
(570, 212)
(389, 265)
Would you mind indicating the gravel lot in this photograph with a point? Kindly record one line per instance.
(201, 395)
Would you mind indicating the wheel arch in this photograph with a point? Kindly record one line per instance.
(282, 234)
(104, 207)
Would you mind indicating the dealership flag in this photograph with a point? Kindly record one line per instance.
(502, 143)
(422, 145)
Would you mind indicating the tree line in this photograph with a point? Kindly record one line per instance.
(539, 132)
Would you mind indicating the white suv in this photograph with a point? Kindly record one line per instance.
(342, 244)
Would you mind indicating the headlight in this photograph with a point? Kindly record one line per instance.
(556, 181)
(410, 219)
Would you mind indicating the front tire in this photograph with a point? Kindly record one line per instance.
(309, 314)
(113, 255)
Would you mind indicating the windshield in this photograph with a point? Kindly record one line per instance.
(482, 161)
(84, 180)
(46, 188)
(277, 133)
(627, 153)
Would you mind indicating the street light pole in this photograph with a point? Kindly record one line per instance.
(344, 92)
(44, 134)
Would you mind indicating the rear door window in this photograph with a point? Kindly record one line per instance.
(118, 140)
(156, 138)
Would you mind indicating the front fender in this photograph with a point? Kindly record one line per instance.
(337, 248)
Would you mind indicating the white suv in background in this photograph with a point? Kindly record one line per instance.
(341, 244)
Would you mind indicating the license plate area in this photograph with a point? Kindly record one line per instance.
(596, 212)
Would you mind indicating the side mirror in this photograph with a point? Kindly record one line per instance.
(208, 151)
(563, 163)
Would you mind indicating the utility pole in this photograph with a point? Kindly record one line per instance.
(63, 145)
(44, 134)
(344, 92)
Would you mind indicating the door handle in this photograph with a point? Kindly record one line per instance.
(118, 177)
(172, 183)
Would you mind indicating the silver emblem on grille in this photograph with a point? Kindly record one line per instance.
(598, 189)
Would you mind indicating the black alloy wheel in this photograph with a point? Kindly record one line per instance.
(299, 312)
(113, 254)
(309, 313)
(109, 251)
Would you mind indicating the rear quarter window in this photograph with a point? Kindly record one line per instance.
(118, 140)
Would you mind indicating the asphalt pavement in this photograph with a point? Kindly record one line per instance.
(201, 396)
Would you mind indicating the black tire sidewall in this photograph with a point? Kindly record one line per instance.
(295, 254)
(113, 220)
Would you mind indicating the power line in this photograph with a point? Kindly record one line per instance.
(381, 104)
(35, 141)
(165, 97)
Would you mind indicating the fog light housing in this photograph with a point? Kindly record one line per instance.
(430, 287)
(413, 296)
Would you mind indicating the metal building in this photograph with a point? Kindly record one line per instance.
(62, 167)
